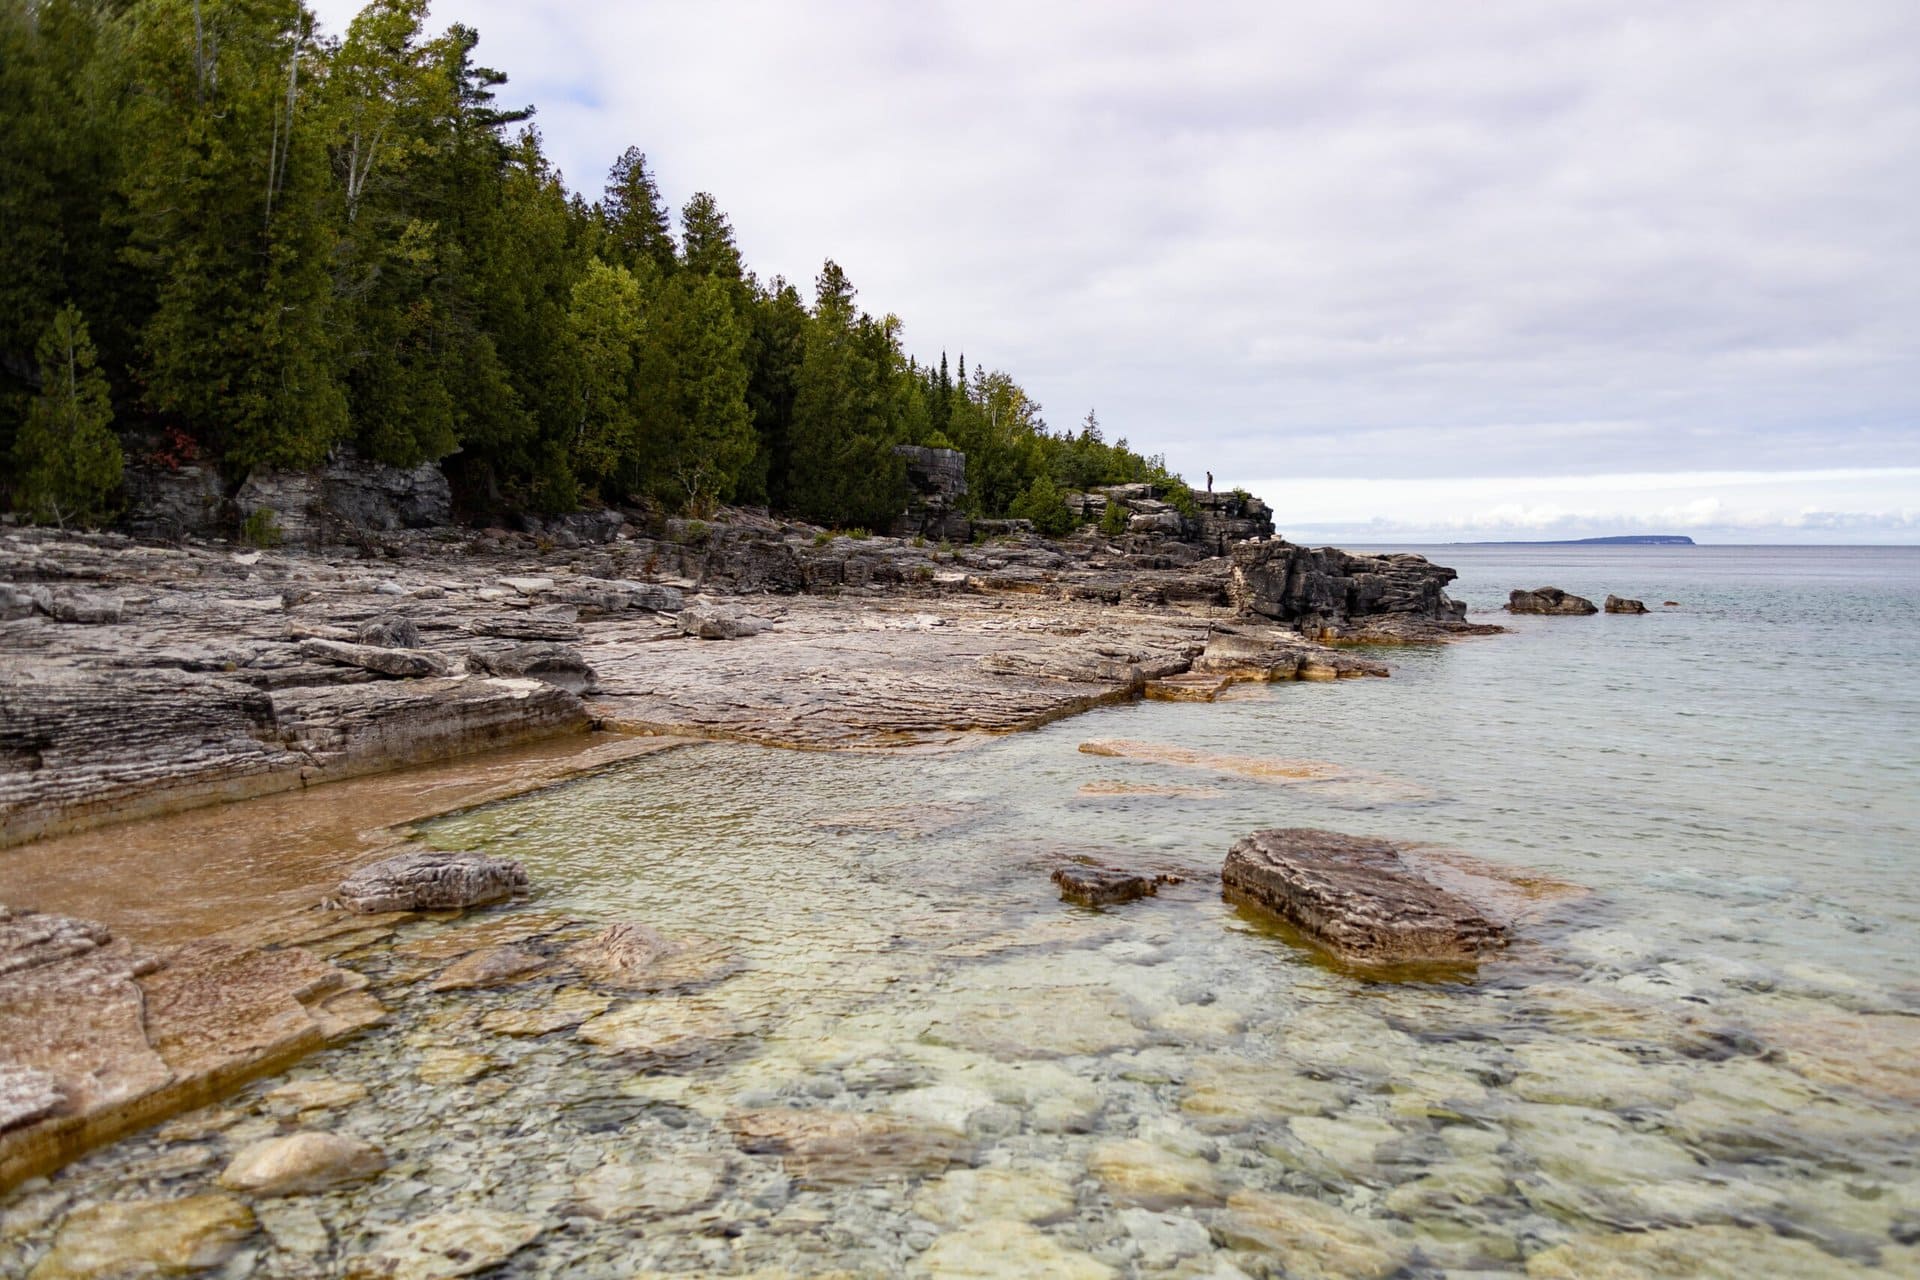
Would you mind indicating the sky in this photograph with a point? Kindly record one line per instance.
(1409, 271)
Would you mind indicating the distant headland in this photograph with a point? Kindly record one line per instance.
(1622, 540)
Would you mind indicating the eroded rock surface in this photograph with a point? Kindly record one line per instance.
(1621, 604)
(431, 880)
(1549, 600)
(1361, 898)
(1096, 886)
(1329, 591)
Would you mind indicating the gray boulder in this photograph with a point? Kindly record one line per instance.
(1620, 604)
(1327, 589)
(1095, 886)
(1358, 897)
(391, 632)
(431, 880)
(1549, 600)
(557, 664)
(721, 622)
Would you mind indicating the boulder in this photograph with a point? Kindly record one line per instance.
(405, 663)
(68, 604)
(431, 880)
(302, 1163)
(557, 664)
(391, 632)
(1620, 604)
(1549, 600)
(15, 602)
(128, 1238)
(1359, 897)
(1095, 886)
(721, 622)
(1326, 589)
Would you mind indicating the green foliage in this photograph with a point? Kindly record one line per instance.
(1113, 521)
(1178, 496)
(66, 459)
(1042, 504)
(823, 538)
(285, 242)
(261, 529)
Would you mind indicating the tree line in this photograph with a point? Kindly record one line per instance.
(235, 239)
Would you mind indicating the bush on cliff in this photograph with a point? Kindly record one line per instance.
(1043, 505)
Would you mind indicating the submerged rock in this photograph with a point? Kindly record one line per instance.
(1620, 604)
(994, 1248)
(127, 1238)
(1359, 897)
(458, 1242)
(844, 1148)
(431, 880)
(301, 1163)
(1092, 886)
(1309, 1239)
(489, 967)
(1548, 600)
(642, 959)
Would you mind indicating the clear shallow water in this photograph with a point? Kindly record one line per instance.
(1706, 1065)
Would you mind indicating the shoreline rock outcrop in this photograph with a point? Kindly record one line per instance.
(1360, 898)
(1620, 604)
(1549, 600)
(430, 880)
(1329, 593)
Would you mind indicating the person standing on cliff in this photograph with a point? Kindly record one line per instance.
(1209, 484)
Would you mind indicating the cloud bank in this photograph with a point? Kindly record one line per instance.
(1299, 245)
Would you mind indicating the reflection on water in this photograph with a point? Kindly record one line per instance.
(919, 1060)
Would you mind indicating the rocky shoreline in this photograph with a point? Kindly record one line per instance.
(140, 679)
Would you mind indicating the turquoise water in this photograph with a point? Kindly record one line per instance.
(1701, 1064)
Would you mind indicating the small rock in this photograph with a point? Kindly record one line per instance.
(1092, 886)
(315, 1095)
(456, 1243)
(616, 1191)
(405, 663)
(1311, 1240)
(638, 958)
(431, 880)
(1549, 600)
(488, 967)
(391, 632)
(969, 1195)
(528, 586)
(301, 1163)
(990, 1250)
(721, 622)
(1140, 1172)
(140, 1238)
(1620, 604)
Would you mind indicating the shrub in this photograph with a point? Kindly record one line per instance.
(261, 529)
(1113, 521)
(66, 457)
(1043, 505)
(823, 537)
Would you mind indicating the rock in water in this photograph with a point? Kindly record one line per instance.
(1620, 604)
(146, 1238)
(1550, 600)
(299, 1163)
(1104, 886)
(431, 880)
(1329, 589)
(1358, 897)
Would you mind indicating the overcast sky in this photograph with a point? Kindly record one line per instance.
(1408, 270)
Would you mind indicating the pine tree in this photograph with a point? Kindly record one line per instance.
(604, 331)
(634, 217)
(66, 458)
(706, 436)
(707, 240)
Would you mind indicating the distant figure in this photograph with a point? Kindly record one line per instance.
(1209, 482)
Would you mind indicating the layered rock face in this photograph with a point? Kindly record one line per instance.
(1360, 898)
(1549, 600)
(1328, 591)
(939, 481)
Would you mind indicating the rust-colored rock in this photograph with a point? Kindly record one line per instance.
(1360, 898)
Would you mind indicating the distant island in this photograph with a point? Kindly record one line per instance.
(1622, 540)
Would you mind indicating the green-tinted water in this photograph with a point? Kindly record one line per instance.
(1705, 1066)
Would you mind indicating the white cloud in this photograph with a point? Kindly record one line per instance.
(1369, 239)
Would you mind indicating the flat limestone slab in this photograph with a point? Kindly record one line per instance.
(1360, 898)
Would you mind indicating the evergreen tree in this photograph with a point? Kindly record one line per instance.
(779, 321)
(1042, 504)
(66, 458)
(226, 177)
(707, 435)
(707, 240)
(634, 217)
(604, 331)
